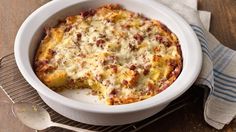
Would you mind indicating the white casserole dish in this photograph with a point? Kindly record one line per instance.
(31, 32)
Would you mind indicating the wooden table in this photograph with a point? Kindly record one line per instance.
(190, 118)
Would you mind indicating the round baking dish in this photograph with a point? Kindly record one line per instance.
(31, 32)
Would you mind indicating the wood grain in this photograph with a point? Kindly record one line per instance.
(223, 26)
(223, 22)
(12, 15)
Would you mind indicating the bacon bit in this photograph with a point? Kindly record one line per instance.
(109, 59)
(82, 55)
(162, 81)
(167, 43)
(70, 19)
(165, 28)
(176, 71)
(165, 85)
(87, 74)
(40, 52)
(179, 50)
(114, 68)
(88, 13)
(71, 81)
(112, 58)
(51, 52)
(172, 63)
(68, 28)
(139, 38)
(126, 26)
(134, 79)
(41, 63)
(79, 35)
(146, 71)
(132, 47)
(150, 86)
(132, 67)
(149, 29)
(103, 62)
(147, 66)
(113, 92)
(44, 61)
(49, 68)
(125, 82)
(84, 14)
(111, 101)
(136, 73)
(133, 14)
(83, 63)
(98, 77)
(108, 20)
(61, 21)
(44, 67)
(144, 17)
(107, 82)
(92, 12)
(81, 80)
(102, 35)
(159, 90)
(159, 38)
(178, 46)
(113, 6)
(94, 92)
(100, 43)
(156, 49)
(156, 57)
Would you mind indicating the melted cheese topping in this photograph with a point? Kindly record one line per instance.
(122, 56)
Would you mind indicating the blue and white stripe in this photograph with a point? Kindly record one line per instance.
(221, 79)
(206, 75)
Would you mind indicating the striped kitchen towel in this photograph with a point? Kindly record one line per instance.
(218, 72)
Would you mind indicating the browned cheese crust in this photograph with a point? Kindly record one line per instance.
(122, 56)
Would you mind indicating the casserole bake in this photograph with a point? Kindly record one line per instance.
(122, 56)
(84, 110)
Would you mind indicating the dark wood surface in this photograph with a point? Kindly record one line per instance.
(190, 118)
(223, 21)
